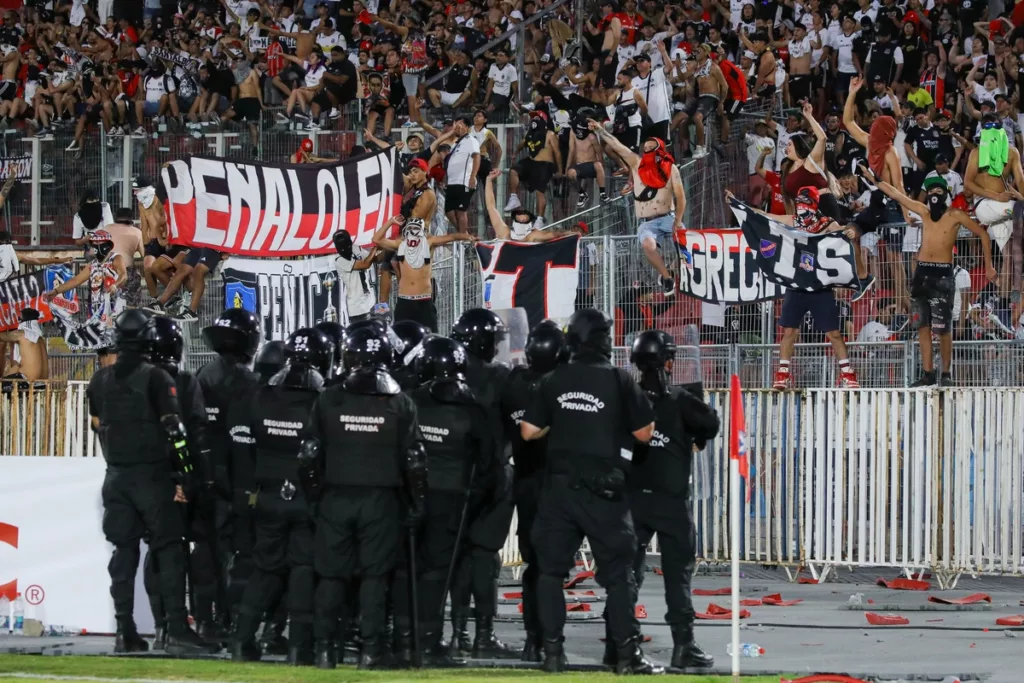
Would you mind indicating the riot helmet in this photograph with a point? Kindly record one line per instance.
(166, 344)
(412, 334)
(481, 331)
(651, 351)
(270, 359)
(442, 358)
(545, 347)
(367, 346)
(235, 331)
(309, 348)
(130, 329)
(336, 334)
(589, 331)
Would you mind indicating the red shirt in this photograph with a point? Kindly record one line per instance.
(275, 62)
(737, 81)
(129, 82)
(778, 203)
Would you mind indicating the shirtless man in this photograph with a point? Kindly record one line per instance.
(712, 91)
(248, 106)
(11, 61)
(884, 162)
(800, 50)
(658, 191)
(414, 248)
(522, 229)
(584, 160)
(995, 187)
(160, 258)
(765, 63)
(543, 160)
(30, 361)
(934, 284)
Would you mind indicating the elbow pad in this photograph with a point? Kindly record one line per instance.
(175, 430)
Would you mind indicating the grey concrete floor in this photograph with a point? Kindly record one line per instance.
(821, 634)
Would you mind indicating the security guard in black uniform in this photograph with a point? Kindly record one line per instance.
(336, 333)
(595, 413)
(268, 362)
(481, 331)
(363, 439)
(235, 337)
(283, 552)
(659, 486)
(403, 368)
(545, 348)
(463, 455)
(134, 409)
(165, 345)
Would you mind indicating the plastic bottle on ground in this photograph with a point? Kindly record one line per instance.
(19, 616)
(747, 650)
(5, 615)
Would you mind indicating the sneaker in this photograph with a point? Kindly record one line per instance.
(582, 201)
(139, 131)
(186, 316)
(156, 307)
(513, 203)
(408, 124)
(312, 125)
(783, 380)
(604, 196)
(863, 287)
(669, 286)
(44, 133)
(538, 224)
(282, 117)
(335, 114)
(699, 152)
(946, 380)
(927, 380)
(300, 116)
(848, 380)
(73, 147)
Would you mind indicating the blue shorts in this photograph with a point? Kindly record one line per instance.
(821, 305)
(655, 228)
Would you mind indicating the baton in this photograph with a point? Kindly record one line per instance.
(458, 542)
(417, 660)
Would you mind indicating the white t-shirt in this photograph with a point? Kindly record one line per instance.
(650, 47)
(359, 287)
(78, 229)
(241, 7)
(460, 160)
(313, 74)
(983, 95)
(953, 181)
(503, 79)
(874, 331)
(77, 12)
(963, 283)
(328, 41)
(755, 145)
(655, 91)
(8, 262)
(843, 47)
(157, 87)
(798, 48)
(871, 13)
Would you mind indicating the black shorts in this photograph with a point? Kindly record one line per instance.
(821, 305)
(155, 249)
(206, 256)
(458, 198)
(733, 108)
(630, 138)
(705, 104)
(931, 296)
(585, 170)
(535, 175)
(485, 168)
(659, 129)
(606, 73)
(8, 91)
(800, 88)
(499, 102)
(766, 91)
(172, 251)
(417, 310)
(247, 109)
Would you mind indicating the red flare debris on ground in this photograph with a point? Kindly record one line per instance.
(720, 613)
(886, 619)
(904, 584)
(710, 592)
(968, 600)
(776, 600)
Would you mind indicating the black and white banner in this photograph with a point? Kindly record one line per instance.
(724, 269)
(15, 167)
(286, 295)
(187, 63)
(252, 209)
(793, 258)
(540, 277)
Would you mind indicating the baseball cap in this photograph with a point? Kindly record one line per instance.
(415, 135)
(141, 181)
(749, 54)
(877, 78)
(583, 227)
(942, 158)
(419, 164)
(307, 146)
(642, 57)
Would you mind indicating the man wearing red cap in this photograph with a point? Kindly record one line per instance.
(304, 154)
(414, 247)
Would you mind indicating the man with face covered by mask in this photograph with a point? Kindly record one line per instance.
(543, 160)
(414, 248)
(584, 160)
(355, 268)
(522, 228)
(934, 283)
(106, 276)
(592, 413)
(92, 215)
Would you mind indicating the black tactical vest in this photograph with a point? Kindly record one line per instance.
(280, 416)
(132, 434)
(450, 437)
(664, 465)
(361, 435)
(527, 456)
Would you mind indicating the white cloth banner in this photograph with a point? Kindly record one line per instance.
(52, 548)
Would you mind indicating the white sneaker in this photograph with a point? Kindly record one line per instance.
(140, 131)
(335, 114)
(699, 152)
(538, 224)
(73, 147)
(513, 203)
(281, 118)
(312, 125)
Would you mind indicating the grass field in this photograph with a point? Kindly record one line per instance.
(32, 669)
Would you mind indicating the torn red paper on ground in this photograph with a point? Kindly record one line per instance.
(718, 612)
(641, 612)
(886, 619)
(577, 607)
(514, 596)
(968, 600)
(1017, 620)
(709, 591)
(751, 602)
(776, 600)
(824, 678)
(904, 584)
(578, 579)
(807, 579)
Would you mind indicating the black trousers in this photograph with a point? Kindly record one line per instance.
(235, 541)
(672, 519)
(282, 558)
(357, 536)
(139, 501)
(435, 546)
(527, 493)
(477, 575)
(566, 514)
(205, 568)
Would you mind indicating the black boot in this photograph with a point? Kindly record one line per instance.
(686, 653)
(611, 653)
(401, 645)
(325, 655)
(487, 646)
(184, 641)
(460, 645)
(435, 654)
(632, 661)
(554, 657)
(128, 638)
(533, 651)
(300, 645)
(272, 638)
(299, 655)
(371, 656)
(246, 651)
(213, 634)
(160, 639)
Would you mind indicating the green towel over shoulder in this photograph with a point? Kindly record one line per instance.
(994, 151)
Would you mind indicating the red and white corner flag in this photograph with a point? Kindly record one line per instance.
(738, 429)
(738, 466)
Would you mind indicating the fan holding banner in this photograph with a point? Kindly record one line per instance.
(809, 254)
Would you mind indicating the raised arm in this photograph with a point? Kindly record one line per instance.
(849, 113)
(818, 151)
(905, 201)
(625, 153)
(384, 242)
(501, 230)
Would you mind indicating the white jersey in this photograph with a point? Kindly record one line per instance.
(655, 90)
(481, 136)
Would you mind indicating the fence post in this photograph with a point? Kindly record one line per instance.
(103, 163)
(909, 358)
(609, 275)
(220, 142)
(126, 165)
(36, 190)
(459, 281)
(314, 135)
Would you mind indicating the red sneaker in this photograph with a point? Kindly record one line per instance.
(783, 380)
(848, 380)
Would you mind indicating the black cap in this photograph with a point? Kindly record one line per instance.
(878, 78)
(642, 57)
(141, 181)
(942, 158)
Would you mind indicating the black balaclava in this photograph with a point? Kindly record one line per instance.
(91, 212)
(937, 204)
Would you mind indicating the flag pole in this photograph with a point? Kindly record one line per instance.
(734, 533)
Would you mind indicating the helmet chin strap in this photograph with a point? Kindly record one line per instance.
(656, 382)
